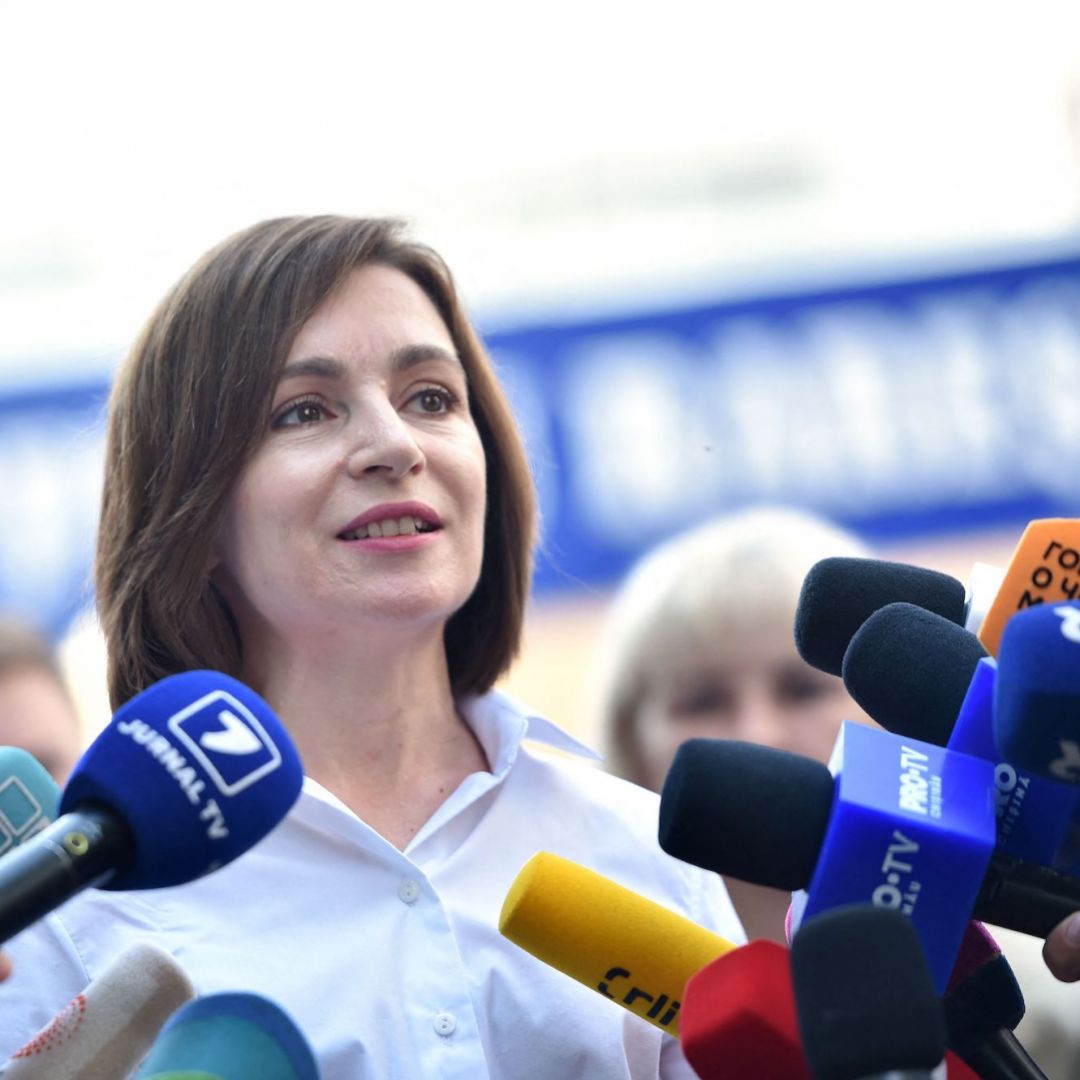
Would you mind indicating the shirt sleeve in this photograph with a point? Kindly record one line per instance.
(711, 905)
(673, 1063)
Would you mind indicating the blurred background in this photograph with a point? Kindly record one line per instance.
(826, 255)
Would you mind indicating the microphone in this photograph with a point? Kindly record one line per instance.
(983, 1004)
(864, 997)
(611, 939)
(1037, 696)
(107, 1029)
(905, 825)
(738, 1017)
(839, 594)
(922, 676)
(910, 669)
(188, 775)
(29, 797)
(1044, 568)
(231, 1036)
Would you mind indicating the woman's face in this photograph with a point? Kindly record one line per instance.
(762, 692)
(366, 498)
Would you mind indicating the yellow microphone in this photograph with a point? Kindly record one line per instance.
(632, 950)
(1045, 568)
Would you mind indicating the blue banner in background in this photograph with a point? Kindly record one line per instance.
(931, 404)
(927, 405)
(51, 452)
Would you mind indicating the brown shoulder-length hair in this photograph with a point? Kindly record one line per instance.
(188, 408)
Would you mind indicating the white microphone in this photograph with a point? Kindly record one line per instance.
(107, 1030)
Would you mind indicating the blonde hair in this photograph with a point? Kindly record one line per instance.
(716, 583)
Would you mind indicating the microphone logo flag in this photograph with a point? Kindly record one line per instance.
(1070, 622)
(227, 740)
(21, 815)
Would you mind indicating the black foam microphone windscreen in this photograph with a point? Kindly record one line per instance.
(839, 594)
(864, 996)
(909, 669)
(986, 1001)
(716, 781)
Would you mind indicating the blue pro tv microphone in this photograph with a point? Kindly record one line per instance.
(188, 775)
(231, 1036)
(904, 825)
(920, 675)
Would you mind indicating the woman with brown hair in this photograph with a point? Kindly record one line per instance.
(314, 483)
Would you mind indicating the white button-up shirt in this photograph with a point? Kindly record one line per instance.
(391, 961)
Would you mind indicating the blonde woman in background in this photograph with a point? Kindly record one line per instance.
(699, 644)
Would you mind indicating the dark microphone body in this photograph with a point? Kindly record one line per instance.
(983, 1004)
(866, 1002)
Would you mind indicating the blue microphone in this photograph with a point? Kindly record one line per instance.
(231, 1036)
(29, 797)
(188, 775)
(921, 675)
(1037, 698)
(904, 824)
(912, 829)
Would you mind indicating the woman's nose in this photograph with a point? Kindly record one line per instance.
(381, 440)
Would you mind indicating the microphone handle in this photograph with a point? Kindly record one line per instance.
(82, 848)
(1022, 896)
(1002, 1057)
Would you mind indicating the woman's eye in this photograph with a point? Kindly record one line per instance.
(701, 700)
(432, 400)
(301, 413)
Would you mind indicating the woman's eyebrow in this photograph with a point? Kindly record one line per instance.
(326, 367)
(408, 355)
(401, 359)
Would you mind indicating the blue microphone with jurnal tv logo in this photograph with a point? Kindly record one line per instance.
(29, 797)
(188, 775)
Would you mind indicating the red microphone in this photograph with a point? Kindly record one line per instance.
(738, 1017)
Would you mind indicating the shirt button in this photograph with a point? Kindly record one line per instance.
(445, 1024)
(408, 891)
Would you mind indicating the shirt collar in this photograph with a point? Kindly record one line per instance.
(501, 724)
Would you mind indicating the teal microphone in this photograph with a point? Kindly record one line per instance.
(29, 797)
(230, 1036)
